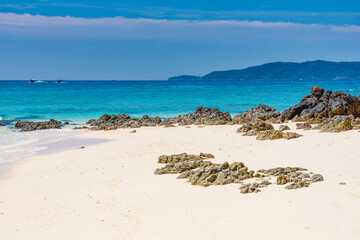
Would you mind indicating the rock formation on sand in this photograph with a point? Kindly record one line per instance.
(323, 104)
(276, 134)
(261, 112)
(112, 122)
(32, 126)
(204, 173)
(336, 124)
(206, 116)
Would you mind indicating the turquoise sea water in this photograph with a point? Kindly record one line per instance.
(79, 101)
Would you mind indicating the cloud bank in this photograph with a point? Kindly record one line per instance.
(138, 28)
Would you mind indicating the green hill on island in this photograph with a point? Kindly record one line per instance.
(285, 71)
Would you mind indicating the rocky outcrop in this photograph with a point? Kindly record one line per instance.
(253, 128)
(27, 126)
(205, 116)
(261, 112)
(336, 124)
(324, 104)
(1, 124)
(276, 134)
(205, 173)
(112, 122)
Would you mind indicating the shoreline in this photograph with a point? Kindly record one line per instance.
(109, 189)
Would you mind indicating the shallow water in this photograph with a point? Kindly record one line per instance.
(79, 101)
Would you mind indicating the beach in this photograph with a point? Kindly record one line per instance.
(109, 190)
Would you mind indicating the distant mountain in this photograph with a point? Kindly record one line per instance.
(286, 70)
(184, 77)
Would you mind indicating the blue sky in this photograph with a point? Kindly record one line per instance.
(143, 40)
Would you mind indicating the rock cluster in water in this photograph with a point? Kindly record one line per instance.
(202, 172)
(323, 104)
(316, 108)
(201, 116)
(112, 122)
(32, 126)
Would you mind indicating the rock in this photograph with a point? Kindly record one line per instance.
(1, 124)
(305, 126)
(32, 126)
(82, 127)
(205, 173)
(261, 112)
(342, 183)
(112, 122)
(291, 135)
(206, 155)
(269, 135)
(317, 91)
(316, 178)
(183, 157)
(66, 123)
(355, 123)
(322, 105)
(336, 124)
(169, 125)
(283, 128)
(133, 131)
(254, 127)
(201, 116)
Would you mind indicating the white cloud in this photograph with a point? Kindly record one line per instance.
(147, 28)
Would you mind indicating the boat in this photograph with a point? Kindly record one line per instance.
(59, 81)
(32, 80)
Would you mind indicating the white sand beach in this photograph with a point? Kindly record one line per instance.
(109, 190)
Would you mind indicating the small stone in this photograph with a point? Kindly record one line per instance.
(133, 131)
(283, 128)
(206, 155)
(316, 178)
(342, 183)
(291, 135)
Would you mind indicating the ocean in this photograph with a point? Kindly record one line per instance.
(79, 101)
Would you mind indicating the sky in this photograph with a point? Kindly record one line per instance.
(154, 40)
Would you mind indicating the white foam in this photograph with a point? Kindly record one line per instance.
(15, 145)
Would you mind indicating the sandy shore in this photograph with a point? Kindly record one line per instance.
(109, 191)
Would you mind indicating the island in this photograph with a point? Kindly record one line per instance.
(317, 70)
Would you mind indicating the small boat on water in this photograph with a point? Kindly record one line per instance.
(32, 80)
(59, 81)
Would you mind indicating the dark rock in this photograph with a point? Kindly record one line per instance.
(261, 112)
(322, 105)
(112, 122)
(32, 126)
(1, 124)
(133, 131)
(205, 116)
(305, 126)
(255, 126)
(336, 124)
(317, 91)
(66, 123)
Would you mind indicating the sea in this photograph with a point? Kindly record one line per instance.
(79, 101)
